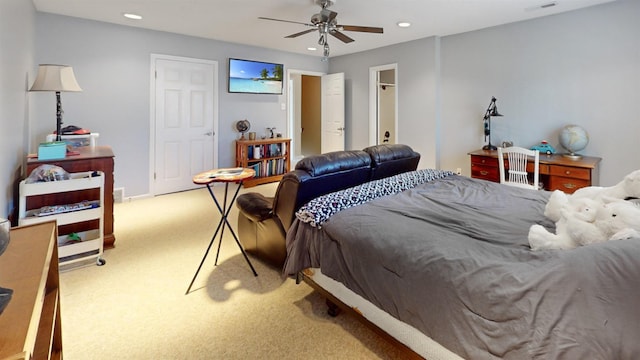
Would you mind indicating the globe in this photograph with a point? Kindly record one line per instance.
(243, 126)
(573, 138)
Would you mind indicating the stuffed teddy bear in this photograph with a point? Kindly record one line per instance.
(629, 187)
(586, 221)
(619, 219)
(575, 227)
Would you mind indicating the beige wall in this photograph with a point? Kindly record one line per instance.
(311, 110)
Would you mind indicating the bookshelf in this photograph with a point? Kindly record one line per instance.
(272, 162)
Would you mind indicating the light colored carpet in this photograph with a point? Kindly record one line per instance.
(135, 306)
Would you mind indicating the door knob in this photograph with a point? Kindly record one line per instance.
(209, 133)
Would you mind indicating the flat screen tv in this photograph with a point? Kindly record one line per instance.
(255, 77)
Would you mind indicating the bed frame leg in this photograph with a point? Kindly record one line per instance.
(332, 309)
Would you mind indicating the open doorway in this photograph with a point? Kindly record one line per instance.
(316, 113)
(304, 116)
(310, 115)
(383, 100)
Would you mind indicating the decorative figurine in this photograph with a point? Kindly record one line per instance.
(544, 147)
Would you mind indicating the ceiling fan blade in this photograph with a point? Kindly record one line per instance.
(369, 29)
(300, 33)
(342, 37)
(287, 21)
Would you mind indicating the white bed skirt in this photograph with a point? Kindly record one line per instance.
(404, 333)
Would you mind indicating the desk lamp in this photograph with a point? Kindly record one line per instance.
(492, 110)
(56, 78)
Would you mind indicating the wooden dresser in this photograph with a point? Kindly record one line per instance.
(98, 158)
(30, 324)
(557, 172)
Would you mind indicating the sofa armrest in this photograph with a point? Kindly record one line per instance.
(255, 206)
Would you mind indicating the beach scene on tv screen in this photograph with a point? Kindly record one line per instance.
(255, 77)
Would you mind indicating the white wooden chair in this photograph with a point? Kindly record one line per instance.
(517, 159)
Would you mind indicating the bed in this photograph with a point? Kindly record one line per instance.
(446, 259)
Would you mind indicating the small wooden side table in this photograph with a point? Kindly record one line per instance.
(226, 176)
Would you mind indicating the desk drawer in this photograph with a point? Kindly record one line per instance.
(485, 172)
(568, 185)
(484, 161)
(570, 172)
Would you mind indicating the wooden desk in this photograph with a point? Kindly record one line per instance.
(556, 171)
(90, 159)
(30, 325)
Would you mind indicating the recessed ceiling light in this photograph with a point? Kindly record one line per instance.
(404, 24)
(311, 49)
(132, 16)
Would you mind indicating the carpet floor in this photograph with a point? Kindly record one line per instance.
(135, 306)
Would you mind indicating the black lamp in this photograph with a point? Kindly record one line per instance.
(492, 110)
(56, 78)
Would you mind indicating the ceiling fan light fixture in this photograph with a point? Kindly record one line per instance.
(325, 3)
(403, 24)
(311, 48)
(325, 23)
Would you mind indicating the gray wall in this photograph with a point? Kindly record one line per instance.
(417, 90)
(16, 61)
(581, 67)
(112, 65)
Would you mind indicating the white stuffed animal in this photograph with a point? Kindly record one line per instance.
(629, 187)
(589, 221)
(619, 220)
(575, 227)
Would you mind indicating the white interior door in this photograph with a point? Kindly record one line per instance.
(332, 112)
(184, 122)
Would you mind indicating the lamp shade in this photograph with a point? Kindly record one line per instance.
(55, 78)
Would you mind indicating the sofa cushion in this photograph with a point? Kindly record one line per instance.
(334, 162)
(391, 159)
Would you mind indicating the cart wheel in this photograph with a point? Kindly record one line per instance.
(101, 261)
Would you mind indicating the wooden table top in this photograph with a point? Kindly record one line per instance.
(555, 159)
(79, 153)
(223, 175)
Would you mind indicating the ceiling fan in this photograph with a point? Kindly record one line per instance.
(326, 24)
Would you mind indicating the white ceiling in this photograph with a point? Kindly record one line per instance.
(237, 20)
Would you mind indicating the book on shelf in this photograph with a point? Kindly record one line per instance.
(256, 168)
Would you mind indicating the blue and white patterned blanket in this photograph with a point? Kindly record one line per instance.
(320, 209)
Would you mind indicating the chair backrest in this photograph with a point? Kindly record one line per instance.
(516, 174)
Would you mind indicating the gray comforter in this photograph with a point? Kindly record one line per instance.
(451, 258)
